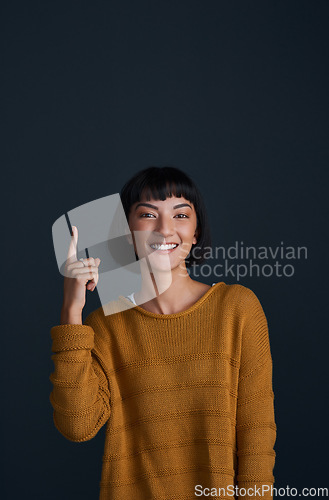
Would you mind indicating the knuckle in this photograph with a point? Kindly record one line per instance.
(89, 262)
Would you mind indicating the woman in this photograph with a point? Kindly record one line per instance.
(184, 379)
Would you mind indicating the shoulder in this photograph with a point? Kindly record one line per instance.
(235, 293)
(250, 308)
(108, 316)
(112, 308)
(246, 296)
(93, 317)
(238, 298)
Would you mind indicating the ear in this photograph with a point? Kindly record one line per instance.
(196, 236)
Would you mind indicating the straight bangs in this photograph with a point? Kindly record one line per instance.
(159, 183)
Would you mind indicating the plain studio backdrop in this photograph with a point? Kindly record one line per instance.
(233, 93)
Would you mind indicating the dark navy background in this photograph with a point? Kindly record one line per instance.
(233, 93)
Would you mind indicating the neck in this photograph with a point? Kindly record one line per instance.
(171, 288)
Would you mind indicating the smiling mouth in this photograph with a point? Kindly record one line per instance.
(164, 247)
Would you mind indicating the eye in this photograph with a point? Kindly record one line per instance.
(183, 216)
(145, 214)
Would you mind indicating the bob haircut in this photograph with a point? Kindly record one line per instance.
(160, 183)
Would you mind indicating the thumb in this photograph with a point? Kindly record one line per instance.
(72, 252)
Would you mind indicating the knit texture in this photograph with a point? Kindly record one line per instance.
(187, 397)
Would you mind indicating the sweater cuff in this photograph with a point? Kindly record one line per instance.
(71, 337)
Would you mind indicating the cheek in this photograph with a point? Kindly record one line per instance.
(188, 231)
(186, 234)
(135, 224)
(184, 249)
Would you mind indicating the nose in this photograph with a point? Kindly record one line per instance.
(164, 227)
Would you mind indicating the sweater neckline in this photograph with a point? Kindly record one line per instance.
(194, 306)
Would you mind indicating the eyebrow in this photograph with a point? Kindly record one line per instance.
(156, 208)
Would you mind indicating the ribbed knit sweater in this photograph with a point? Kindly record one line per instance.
(187, 397)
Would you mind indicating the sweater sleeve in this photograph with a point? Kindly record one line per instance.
(256, 428)
(80, 397)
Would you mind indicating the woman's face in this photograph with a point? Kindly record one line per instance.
(170, 222)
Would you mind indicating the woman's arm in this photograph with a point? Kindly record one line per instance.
(256, 428)
(80, 395)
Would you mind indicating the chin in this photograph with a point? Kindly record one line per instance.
(161, 264)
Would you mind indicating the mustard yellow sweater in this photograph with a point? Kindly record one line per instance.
(187, 397)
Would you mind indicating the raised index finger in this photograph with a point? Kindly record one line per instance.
(72, 253)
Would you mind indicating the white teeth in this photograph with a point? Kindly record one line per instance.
(163, 247)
